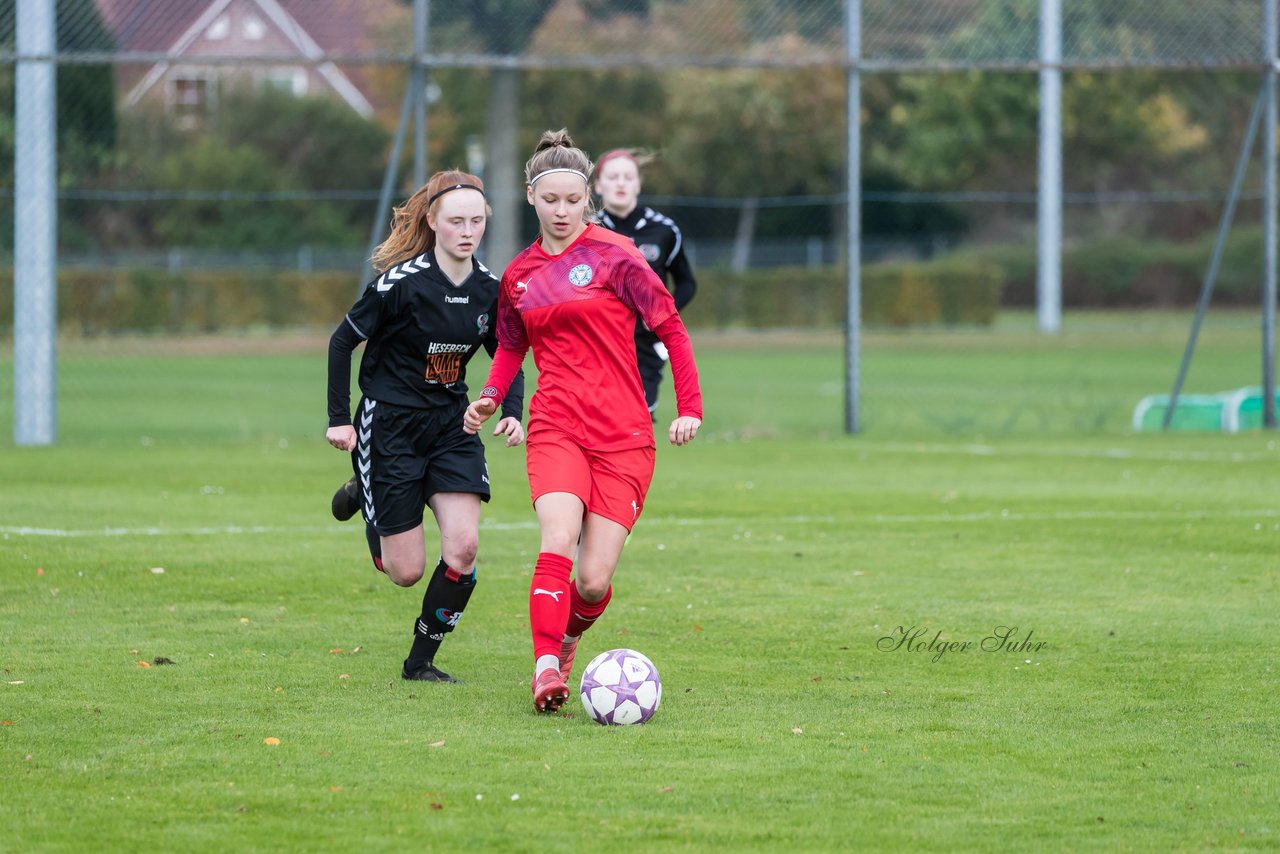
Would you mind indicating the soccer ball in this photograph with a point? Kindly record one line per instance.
(621, 686)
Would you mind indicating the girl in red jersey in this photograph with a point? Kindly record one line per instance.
(574, 297)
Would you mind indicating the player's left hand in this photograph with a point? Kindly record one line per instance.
(478, 413)
(683, 429)
(512, 429)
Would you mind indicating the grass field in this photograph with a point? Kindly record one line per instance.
(825, 611)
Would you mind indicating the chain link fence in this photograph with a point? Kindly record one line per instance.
(220, 162)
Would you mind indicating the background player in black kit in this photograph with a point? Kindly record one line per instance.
(659, 241)
(433, 306)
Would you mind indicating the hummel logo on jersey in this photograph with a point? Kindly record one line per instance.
(458, 300)
(399, 271)
(635, 510)
(554, 594)
(580, 276)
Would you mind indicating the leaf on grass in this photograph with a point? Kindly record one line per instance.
(244, 621)
(39, 570)
(144, 664)
(345, 676)
(666, 790)
(697, 628)
(436, 806)
(357, 649)
(161, 660)
(797, 730)
(271, 741)
(337, 651)
(6, 723)
(816, 679)
(335, 789)
(436, 744)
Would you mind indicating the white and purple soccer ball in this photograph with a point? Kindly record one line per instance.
(621, 687)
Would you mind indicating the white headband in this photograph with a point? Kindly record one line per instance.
(577, 172)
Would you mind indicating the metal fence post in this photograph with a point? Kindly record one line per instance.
(419, 87)
(35, 263)
(1049, 198)
(1271, 30)
(853, 193)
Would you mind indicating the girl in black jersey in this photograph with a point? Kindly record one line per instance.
(433, 306)
(660, 242)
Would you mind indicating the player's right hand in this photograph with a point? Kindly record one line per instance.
(343, 438)
(478, 413)
(683, 429)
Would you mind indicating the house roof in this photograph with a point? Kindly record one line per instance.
(312, 28)
(336, 26)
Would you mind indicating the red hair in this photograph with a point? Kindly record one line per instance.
(410, 235)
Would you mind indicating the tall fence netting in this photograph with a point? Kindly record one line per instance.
(220, 161)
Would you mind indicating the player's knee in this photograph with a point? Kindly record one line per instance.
(461, 552)
(592, 589)
(401, 572)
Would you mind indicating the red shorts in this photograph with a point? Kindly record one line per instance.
(611, 484)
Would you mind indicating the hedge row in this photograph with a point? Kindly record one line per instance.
(966, 287)
(1126, 270)
(105, 301)
(902, 294)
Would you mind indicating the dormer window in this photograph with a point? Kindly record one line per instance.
(254, 29)
(219, 29)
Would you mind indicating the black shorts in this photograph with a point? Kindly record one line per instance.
(404, 456)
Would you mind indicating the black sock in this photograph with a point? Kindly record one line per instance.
(375, 545)
(442, 605)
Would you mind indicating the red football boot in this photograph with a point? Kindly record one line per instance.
(549, 691)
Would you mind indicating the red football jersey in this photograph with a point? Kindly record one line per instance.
(577, 312)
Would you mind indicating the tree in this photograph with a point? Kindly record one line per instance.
(261, 141)
(749, 133)
(85, 109)
(504, 27)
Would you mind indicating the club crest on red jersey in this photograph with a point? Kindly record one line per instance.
(580, 276)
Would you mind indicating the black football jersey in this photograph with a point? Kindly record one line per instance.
(421, 330)
(660, 242)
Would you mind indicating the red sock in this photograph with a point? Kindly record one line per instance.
(583, 613)
(549, 603)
